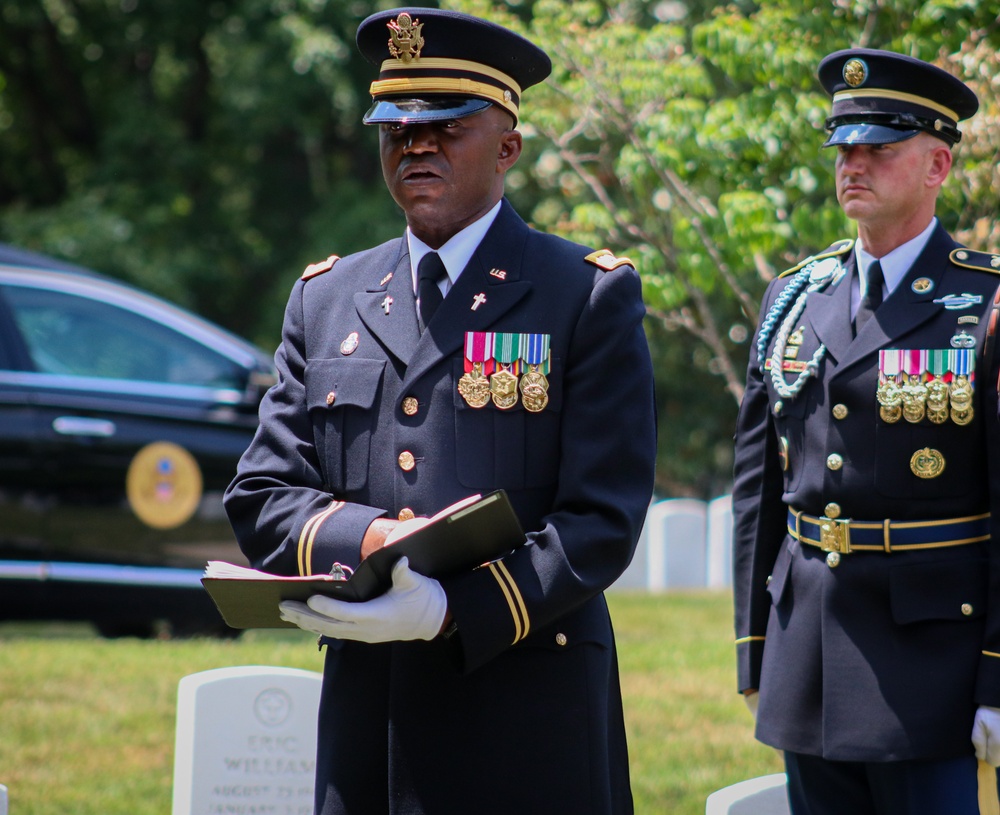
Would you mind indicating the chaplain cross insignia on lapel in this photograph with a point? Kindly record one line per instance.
(478, 300)
(386, 303)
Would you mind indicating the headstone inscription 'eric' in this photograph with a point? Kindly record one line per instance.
(246, 742)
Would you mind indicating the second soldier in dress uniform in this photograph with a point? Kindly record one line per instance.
(867, 477)
(472, 354)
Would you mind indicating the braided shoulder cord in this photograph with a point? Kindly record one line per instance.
(774, 314)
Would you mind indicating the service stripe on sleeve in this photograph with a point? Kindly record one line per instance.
(308, 537)
(518, 611)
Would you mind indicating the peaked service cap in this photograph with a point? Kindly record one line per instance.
(436, 64)
(880, 97)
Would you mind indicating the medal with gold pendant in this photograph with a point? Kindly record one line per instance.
(534, 386)
(960, 394)
(937, 387)
(503, 383)
(914, 392)
(889, 393)
(474, 385)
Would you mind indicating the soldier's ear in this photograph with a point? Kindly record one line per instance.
(510, 150)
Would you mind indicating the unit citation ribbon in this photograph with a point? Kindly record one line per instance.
(503, 383)
(889, 394)
(937, 386)
(534, 385)
(962, 363)
(474, 386)
(914, 391)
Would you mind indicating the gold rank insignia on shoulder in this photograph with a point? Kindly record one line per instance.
(971, 259)
(834, 250)
(604, 259)
(314, 269)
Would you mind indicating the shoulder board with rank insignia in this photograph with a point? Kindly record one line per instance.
(836, 249)
(971, 259)
(314, 269)
(604, 259)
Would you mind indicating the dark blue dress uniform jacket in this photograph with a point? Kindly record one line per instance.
(523, 713)
(886, 656)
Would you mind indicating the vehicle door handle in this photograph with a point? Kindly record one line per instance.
(82, 426)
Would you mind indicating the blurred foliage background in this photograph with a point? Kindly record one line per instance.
(208, 150)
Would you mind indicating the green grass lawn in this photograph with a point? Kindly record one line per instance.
(87, 725)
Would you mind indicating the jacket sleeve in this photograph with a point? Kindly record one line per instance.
(607, 442)
(278, 503)
(759, 517)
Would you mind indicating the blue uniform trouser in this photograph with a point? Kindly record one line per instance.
(817, 786)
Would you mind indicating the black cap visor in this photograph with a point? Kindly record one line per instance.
(859, 133)
(428, 109)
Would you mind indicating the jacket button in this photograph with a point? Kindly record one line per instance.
(406, 514)
(967, 609)
(561, 639)
(410, 406)
(840, 411)
(834, 461)
(832, 510)
(406, 461)
(833, 560)
(331, 397)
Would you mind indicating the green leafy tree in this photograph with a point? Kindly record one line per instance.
(688, 136)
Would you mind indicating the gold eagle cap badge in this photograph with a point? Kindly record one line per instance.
(855, 72)
(405, 38)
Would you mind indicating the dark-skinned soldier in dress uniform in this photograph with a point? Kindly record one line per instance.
(867, 476)
(497, 690)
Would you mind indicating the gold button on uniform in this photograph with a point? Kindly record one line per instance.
(406, 460)
(410, 406)
(967, 609)
(832, 510)
(834, 461)
(833, 560)
(840, 411)
(406, 514)
(561, 639)
(331, 397)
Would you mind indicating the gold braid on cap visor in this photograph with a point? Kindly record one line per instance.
(415, 85)
(874, 93)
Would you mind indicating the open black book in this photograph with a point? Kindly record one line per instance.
(461, 537)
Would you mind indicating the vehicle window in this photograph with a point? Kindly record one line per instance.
(72, 335)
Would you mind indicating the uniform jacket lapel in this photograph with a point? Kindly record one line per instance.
(901, 313)
(397, 330)
(492, 279)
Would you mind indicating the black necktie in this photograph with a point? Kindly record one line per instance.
(430, 272)
(872, 299)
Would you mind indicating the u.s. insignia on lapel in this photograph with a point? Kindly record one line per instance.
(500, 273)
(385, 279)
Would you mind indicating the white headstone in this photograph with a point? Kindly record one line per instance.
(677, 551)
(246, 741)
(766, 795)
(720, 542)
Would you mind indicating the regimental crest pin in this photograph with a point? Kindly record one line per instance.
(350, 344)
(405, 39)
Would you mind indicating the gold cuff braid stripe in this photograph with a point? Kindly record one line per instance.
(518, 611)
(308, 536)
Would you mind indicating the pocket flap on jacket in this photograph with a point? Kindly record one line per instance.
(333, 383)
(941, 590)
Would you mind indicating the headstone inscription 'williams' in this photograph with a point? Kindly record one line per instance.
(246, 742)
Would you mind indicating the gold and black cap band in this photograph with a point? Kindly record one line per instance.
(880, 97)
(432, 62)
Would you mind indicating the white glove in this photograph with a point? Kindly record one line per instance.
(986, 734)
(752, 701)
(413, 609)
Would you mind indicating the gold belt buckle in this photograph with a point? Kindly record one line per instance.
(834, 535)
